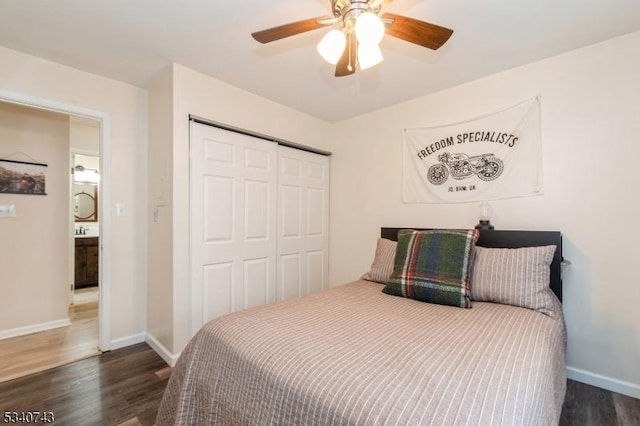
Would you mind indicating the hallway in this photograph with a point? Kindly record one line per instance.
(32, 353)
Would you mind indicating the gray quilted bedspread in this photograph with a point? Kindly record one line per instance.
(355, 356)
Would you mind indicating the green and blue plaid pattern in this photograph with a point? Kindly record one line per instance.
(434, 266)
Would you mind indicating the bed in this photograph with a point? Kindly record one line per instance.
(355, 355)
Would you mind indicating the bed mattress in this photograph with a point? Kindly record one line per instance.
(353, 355)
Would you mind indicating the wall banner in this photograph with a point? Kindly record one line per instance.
(493, 157)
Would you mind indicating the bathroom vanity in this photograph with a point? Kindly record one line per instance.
(86, 261)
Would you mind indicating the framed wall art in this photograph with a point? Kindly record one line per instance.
(21, 177)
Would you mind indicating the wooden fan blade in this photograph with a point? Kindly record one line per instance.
(287, 30)
(419, 32)
(347, 63)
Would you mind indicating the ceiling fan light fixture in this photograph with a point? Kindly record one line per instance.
(332, 45)
(369, 54)
(362, 26)
(82, 174)
(369, 28)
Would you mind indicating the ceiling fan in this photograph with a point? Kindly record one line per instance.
(360, 28)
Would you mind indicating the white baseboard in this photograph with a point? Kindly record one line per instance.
(35, 328)
(604, 382)
(167, 356)
(127, 341)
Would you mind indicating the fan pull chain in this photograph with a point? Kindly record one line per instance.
(349, 67)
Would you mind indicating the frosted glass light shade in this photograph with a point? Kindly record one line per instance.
(332, 45)
(484, 211)
(369, 54)
(86, 176)
(369, 28)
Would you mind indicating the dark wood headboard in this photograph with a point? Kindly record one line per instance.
(513, 239)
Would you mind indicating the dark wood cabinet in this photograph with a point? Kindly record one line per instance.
(86, 261)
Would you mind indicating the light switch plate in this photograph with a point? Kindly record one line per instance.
(7, 210)
(121, 209)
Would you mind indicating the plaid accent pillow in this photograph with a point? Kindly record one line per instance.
(382, 265)
(434, 266)
(516, 276)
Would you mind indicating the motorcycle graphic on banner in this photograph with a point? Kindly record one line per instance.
(461, 166)
(493, 157)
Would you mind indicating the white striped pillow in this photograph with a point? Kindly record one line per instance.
(382, 266)
(518, 277)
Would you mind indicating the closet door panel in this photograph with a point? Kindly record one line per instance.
(219, 212)
(316, 267)
(233, 212)
(289, 165)
(257, 199)
(316, 212)
(218, 152)
(257, 160)
(218, 290)
(289, 276)
(290, 208)
(256, 272)
(303, 221)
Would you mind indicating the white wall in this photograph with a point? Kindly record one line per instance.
(34, 274)
(160, 217)
(84, 136)
(196, 94)
(590, 128)
(126, 106)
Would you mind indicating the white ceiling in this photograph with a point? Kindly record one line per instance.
(130, 40)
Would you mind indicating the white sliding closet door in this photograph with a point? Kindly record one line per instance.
(233, 232)
(303, 223)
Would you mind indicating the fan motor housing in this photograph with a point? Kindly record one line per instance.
(349, 10)
(338, 6)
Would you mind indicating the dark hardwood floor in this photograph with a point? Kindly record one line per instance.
(586, 405)
(124, 387)
(121, 386)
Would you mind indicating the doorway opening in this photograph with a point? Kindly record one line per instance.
(37, 342)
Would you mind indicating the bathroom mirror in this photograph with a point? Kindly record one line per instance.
(85, 203)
